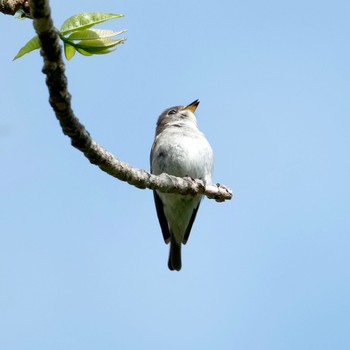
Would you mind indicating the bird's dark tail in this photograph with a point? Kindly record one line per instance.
(174, 262)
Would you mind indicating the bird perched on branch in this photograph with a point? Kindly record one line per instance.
(179, 149)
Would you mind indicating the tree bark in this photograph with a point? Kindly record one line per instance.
(11, 7)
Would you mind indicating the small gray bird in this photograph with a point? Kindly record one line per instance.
(179, 149)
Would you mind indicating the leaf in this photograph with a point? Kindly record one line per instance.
(104, 43)
(69, 51)
(82, 39)
(84, 52)
(91, 51)
(86, 20)
(31, 45)
(103, 52)
(93, 34)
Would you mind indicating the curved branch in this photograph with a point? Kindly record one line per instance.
(60, 101)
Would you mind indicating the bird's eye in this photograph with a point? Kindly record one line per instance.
(172, 111)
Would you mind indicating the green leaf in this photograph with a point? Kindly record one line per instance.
(31, 45)
(84, 52)
(86, 20)
(89, 34)
(93, 51)
(69, 51)
(104, 43)
(103, 52)
(81, 38)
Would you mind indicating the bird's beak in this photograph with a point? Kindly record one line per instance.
(192, 106)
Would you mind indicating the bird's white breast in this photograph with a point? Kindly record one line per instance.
(183, 151)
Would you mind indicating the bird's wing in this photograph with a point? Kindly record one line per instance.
(161, 217)
(189, 227)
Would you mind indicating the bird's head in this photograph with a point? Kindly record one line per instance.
(178, 116)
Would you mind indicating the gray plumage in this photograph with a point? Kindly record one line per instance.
(179, 149)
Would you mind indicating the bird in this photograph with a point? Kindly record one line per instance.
(179, 149)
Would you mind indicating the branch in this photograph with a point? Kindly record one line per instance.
(11, 7)
(60, 100)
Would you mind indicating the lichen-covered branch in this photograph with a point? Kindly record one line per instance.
(60, 101)
(11, 7)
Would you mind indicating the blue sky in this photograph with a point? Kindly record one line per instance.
(82, 259)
